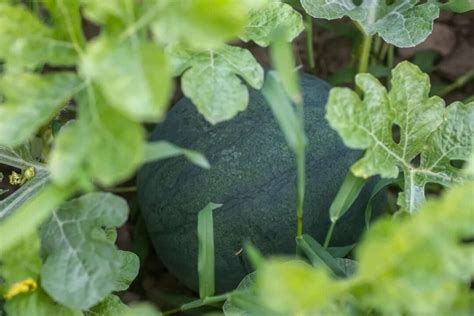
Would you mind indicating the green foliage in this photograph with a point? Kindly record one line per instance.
(403, 23)
(123, 78)
(134, 65)
(400, 259)
(264, 21)
(205, 232)
(24, 263)
(428, 129)
(25, 42)
(82, 266)
(210, 81)
(32, 101)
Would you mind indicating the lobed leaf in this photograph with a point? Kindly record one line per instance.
(82, 266)
(403, 23)
(264, 21)
(210, 79)
(400, 258)
(32, 101)
(427, 128)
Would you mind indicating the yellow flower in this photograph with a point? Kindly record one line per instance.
(24, 286)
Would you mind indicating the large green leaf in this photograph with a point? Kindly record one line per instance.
(210, 79)
(103, 145)
(27, 42)
(264, 21)
(67, 19)
(133, 75)
(32, 101)
(403, 23)
(82, 266)
(439, 134)
(420, 256)
(200, 23)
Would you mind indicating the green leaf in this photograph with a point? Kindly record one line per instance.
(103, 144)
(66, 161)
(403, 23)
(66, 15)
(19, 264)
(210, 80)
(38, 303)
(142, 309)
(31, 102)
(22, 262)
(82, 266)
(294, 288)
(318, 255)
(205, 232)
(284, 62)
(439, 134)
(230, 308)
(28, 43)
(458, 6)
(110, 306)
(264, 21)
(200, 23)
(164, 150)
(31, 214)
(347, 194)
(283, 110)
(420, 256)
(114, 15)
(133, 76)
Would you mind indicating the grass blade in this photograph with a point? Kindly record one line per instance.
(163, 150)
(347, 194)
(318, 255)
(206, 262)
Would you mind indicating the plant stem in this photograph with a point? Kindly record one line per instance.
(365, 53)
(300, 165)
(198, 303)
(459, 83)
(122, 190)
(310, 43)
(329, 234)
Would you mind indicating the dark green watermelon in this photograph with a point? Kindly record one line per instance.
(253, 175)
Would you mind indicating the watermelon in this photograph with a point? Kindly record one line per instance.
(253, 175)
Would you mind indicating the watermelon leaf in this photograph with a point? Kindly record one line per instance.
(428, 129)
(210, 79)
(82, 265)
(201, 24)
(403, 23)
(133, 76)
(32, 100)
(26, 42)
(264, 21)
(110, 306)
(22, 264)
